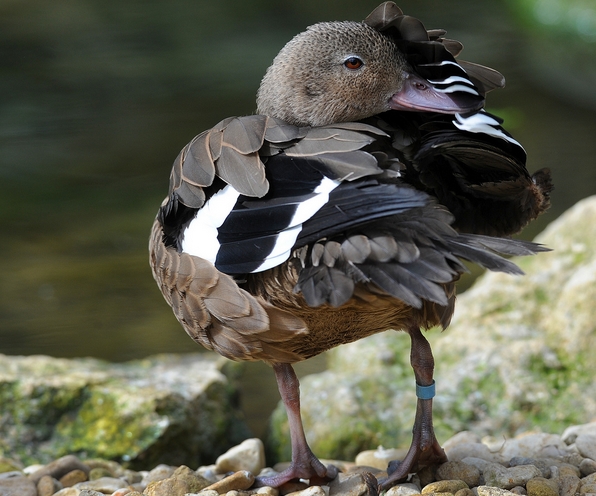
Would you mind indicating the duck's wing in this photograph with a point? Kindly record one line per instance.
(473, 167)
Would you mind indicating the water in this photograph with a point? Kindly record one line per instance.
(96, 100)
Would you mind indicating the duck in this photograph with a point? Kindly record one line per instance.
(344, 207)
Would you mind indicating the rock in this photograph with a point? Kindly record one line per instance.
(569, 485)
(459, 471)
(444, 486)
(99, 472)
(160, 472)
(586, 445)
(519, 490)
(531, 445)
(73, 477)
(167, 408)
(309, 491)
(106, 485)
(248, 455)
(380, 457)
(539, 486)
(570, 433)
(493, 491)
(350, 485)
(60, 467)
(90, 492)
(47, 485)
(473, 450)
(182, 481)
(237, 481)
(19, 485)
(68, 491)
(404, 489)
(587, 466)
(506, 478)
(518, 349)
(541, 465)
(463, 437)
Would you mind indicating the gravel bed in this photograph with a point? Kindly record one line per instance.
(533, 464)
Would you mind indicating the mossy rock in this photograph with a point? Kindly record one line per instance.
(170, 409)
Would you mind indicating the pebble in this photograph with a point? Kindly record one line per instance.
(541, 464)
(444, 486)
(586, 445)
(248, 455)
(404, 489)
(353, 484)
(380, 457)
(160, 472)
(58, 468)
(68, 491)
(460, 471)
(539, 486)
(475, 450)
(587, 467)
(238, 481)
(309, 491)
(493, 491)
(569, 485)
(73, 477)
(182, 481)
(506, 478)
(18, 485)
(519, 490)
(90, 492)
(570, 434)
(47, 486)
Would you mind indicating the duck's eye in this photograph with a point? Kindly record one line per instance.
(353, 63)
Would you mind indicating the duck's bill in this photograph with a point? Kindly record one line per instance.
(419, 95)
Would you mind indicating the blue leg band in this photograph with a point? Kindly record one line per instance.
(425, 392)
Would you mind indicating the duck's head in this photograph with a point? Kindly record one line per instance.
(347, 71)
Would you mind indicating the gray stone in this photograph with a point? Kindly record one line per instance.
(460, 471)
(542, 465)
(586, 445)
(570, 433)
(167, 408)
(569, 485)
(518, 350)
(106, 485)
(587, 466)
(17, 486)
(506, 478)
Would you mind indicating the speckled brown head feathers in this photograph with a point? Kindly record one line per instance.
(309, 83)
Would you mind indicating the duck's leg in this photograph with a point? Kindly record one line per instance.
(425, 450)
(304, 465)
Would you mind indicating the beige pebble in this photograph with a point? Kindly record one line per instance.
(539, 486)
(183, 480)
(444, 486)
(248, 455)
(237, 481)
(566, 469)
(403, 489)
(47, 486)
(309, 491)
(68, 491)
(464, 492)
(266, 490)
(493, 491)
(59, 467)
(73, 477)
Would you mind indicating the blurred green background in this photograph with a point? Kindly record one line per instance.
(97, 97)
